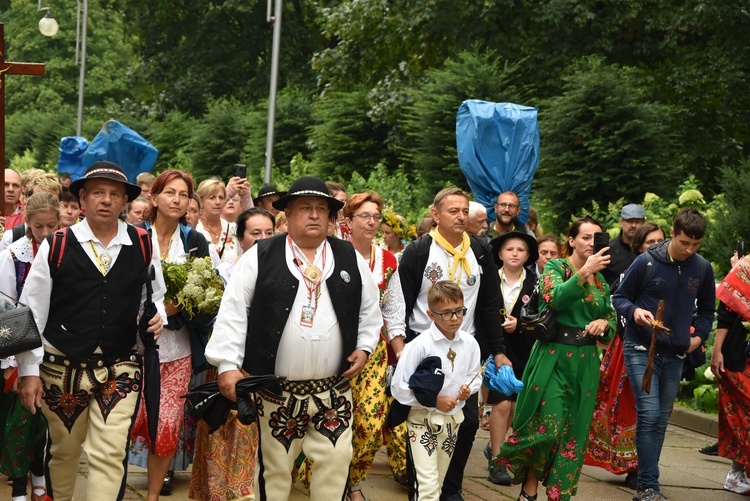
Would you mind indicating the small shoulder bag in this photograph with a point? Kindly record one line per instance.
(540, 326)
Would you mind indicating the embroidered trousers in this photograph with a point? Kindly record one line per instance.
(93, 408)
(431, 440)
(318, 425)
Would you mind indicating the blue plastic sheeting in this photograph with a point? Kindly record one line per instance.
(119, 144)
(70, 160)
(498, 150)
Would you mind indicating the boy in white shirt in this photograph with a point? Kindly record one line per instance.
(442, 352)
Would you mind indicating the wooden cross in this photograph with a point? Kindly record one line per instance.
(657, 325)
(6, 68)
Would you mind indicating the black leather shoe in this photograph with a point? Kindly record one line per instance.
(452, 497)
(710, 450)
(499, 476)
(168, 486)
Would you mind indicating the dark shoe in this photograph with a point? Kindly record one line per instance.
(488, 451)
(401, 478)
(452, 497)
(527, 497)
(631, 480)
(168, 486)
(710, 450)
(499, 476)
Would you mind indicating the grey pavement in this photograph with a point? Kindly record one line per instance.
(685, 473)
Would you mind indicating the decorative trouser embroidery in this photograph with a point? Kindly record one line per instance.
(431, 441)
(103, 428)
(285, 432)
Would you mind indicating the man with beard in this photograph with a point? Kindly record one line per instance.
(507, 209)
(621, 253)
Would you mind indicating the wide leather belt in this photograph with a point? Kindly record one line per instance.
(569, 335)
(310, 386)
(90, 363)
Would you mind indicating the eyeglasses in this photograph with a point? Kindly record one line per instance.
(507, 206)
(448, 315)
(366, 217)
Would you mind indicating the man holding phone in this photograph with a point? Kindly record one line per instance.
(621, 253)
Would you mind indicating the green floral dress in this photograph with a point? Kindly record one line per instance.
(554, 410)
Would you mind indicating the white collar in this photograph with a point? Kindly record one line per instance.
(84, 233)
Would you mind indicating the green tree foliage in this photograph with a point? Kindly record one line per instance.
(294, 116)
(344, 139)
(216, 141)
(731, 222)
(603, 139)
(430, 123)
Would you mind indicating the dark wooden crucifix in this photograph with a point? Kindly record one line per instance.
(6, 68)
(657, 325)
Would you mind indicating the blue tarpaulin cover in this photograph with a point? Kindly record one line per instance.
(498, 150)
(122, 145)
(70, 160)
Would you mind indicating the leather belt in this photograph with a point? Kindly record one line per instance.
(310, 386)
(569, 335)
(91, 362)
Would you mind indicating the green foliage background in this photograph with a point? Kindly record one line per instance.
(636, 98)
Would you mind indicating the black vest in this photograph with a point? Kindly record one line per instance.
(88, 309)
(275, 291)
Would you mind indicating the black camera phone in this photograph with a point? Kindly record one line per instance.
(740, 248)
(240, 171)
(601, 240)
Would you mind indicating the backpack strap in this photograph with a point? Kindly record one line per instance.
(19, 231)
(58, 244)
(144, 238)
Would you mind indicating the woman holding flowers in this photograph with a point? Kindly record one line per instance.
(554, 409)
(175, 243)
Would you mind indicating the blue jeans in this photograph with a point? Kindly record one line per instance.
(652, 409)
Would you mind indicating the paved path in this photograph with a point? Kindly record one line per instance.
(685, 474)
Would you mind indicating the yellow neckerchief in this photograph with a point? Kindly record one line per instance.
(459, 256)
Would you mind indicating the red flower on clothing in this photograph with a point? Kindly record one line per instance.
(553, 493)
(569, 354)
(512, 440)
(552, 351)
(536, 387)
(541, 430)
(543, 402)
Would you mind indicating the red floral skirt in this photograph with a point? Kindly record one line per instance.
(734, 415)
(612, 435)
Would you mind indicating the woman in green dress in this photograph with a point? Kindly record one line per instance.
(554, 410)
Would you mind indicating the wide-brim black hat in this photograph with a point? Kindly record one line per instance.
(308, 187)
(267, 190)
(497, 244)
(106, 170)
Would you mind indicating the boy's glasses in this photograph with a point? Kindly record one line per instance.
(448, 315)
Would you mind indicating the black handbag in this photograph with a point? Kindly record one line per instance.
(18, 330)
(540, 326)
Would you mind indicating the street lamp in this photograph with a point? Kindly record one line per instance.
(275, 48)
(47, 25)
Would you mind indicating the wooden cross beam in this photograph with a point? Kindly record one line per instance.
(7, 68)
(658, 326)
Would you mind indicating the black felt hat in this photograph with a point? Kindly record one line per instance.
(267, 190)
(497, 244)
(426, 383)
(308, 187)
(106, 170)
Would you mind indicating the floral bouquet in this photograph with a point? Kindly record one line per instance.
(193, 286)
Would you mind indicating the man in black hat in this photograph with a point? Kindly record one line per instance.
(305, 307)
(267, 195)
(85, 288)
(448, 252)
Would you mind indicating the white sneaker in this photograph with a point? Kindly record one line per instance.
(737, 482)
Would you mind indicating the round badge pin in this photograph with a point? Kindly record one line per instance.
(471, 280)
(345, 276)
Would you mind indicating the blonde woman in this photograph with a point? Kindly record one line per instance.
(219, 232)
